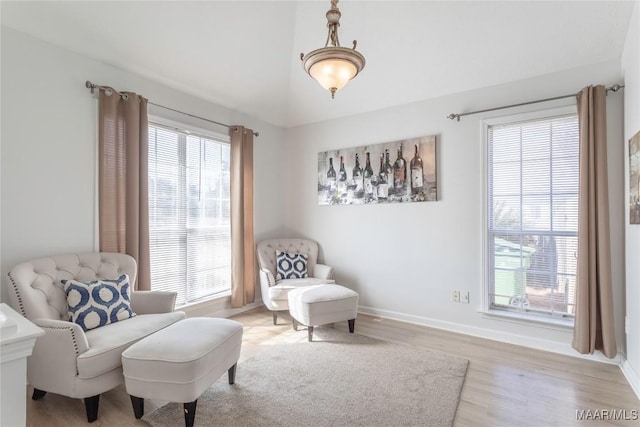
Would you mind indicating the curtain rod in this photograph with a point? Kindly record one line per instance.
(109, 90)
(614, 88)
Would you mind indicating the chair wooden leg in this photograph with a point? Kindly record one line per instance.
(138, 406)
(352, 325)
(38, 394)
(232, 373)
(190, 413)
(91, 405)
(275, 317)
(310, 333)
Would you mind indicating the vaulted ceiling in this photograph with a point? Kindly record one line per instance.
(245, 55)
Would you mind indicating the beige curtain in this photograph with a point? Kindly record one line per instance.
(242, 246)
(123, 180)
(594, 327)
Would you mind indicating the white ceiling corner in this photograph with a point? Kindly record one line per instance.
(245, 55)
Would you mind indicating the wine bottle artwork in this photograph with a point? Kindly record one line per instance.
(388, 171)
(399, 176)
(409, 177)
(383, 181)
(367, 178)
(331, 177)
(342, 178)
(358, 191)
(417, 174)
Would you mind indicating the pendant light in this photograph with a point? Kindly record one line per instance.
(332, 65)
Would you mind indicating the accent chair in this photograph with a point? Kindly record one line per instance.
(275, 289)
(68, 360)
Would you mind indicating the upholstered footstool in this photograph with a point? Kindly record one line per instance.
(321, 304)
(179, 362)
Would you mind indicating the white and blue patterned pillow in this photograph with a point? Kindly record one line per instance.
(98, 302)
(291, 266)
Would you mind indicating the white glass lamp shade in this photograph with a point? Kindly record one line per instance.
(333, 73)
(333, 66)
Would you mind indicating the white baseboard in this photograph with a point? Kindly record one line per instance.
(228, 312)
(218, 307)
(490, 334)
(631, 375)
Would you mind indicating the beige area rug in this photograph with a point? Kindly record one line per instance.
(340, 379)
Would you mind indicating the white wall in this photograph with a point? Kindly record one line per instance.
(405, 259)
(48, 148)
(631, 70)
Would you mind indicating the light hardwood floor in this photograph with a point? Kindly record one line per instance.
(506, 385)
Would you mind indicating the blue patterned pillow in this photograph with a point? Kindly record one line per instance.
(98, 302)
(291, 266)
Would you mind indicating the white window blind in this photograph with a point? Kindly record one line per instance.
(533, 215)
(189, 214)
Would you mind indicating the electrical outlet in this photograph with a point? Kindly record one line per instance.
(464, 297)
(455, 296)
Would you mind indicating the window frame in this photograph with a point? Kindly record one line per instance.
(564, 321)
(191, 130)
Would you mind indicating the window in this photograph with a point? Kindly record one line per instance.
(189, 213)
(532, 216)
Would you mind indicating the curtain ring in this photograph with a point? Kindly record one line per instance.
(125, 96)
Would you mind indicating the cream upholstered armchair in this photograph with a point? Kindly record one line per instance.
(275, 291)
(67, 360)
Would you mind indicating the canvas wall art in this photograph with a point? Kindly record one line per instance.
(634, 179)
(391, 172)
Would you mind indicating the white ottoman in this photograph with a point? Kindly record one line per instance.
(322, 304)
(181, 361)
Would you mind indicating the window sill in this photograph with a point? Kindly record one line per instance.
(222, 296)
(524, 319)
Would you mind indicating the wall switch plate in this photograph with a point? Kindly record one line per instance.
(464, 297)
(455, 296)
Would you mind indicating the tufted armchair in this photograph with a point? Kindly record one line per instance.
(67, 360)
(274, 293)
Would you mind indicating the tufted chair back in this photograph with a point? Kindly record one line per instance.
(266, 252)
(35, 289)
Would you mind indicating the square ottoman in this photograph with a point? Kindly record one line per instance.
(179, 362)
(322, 304)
